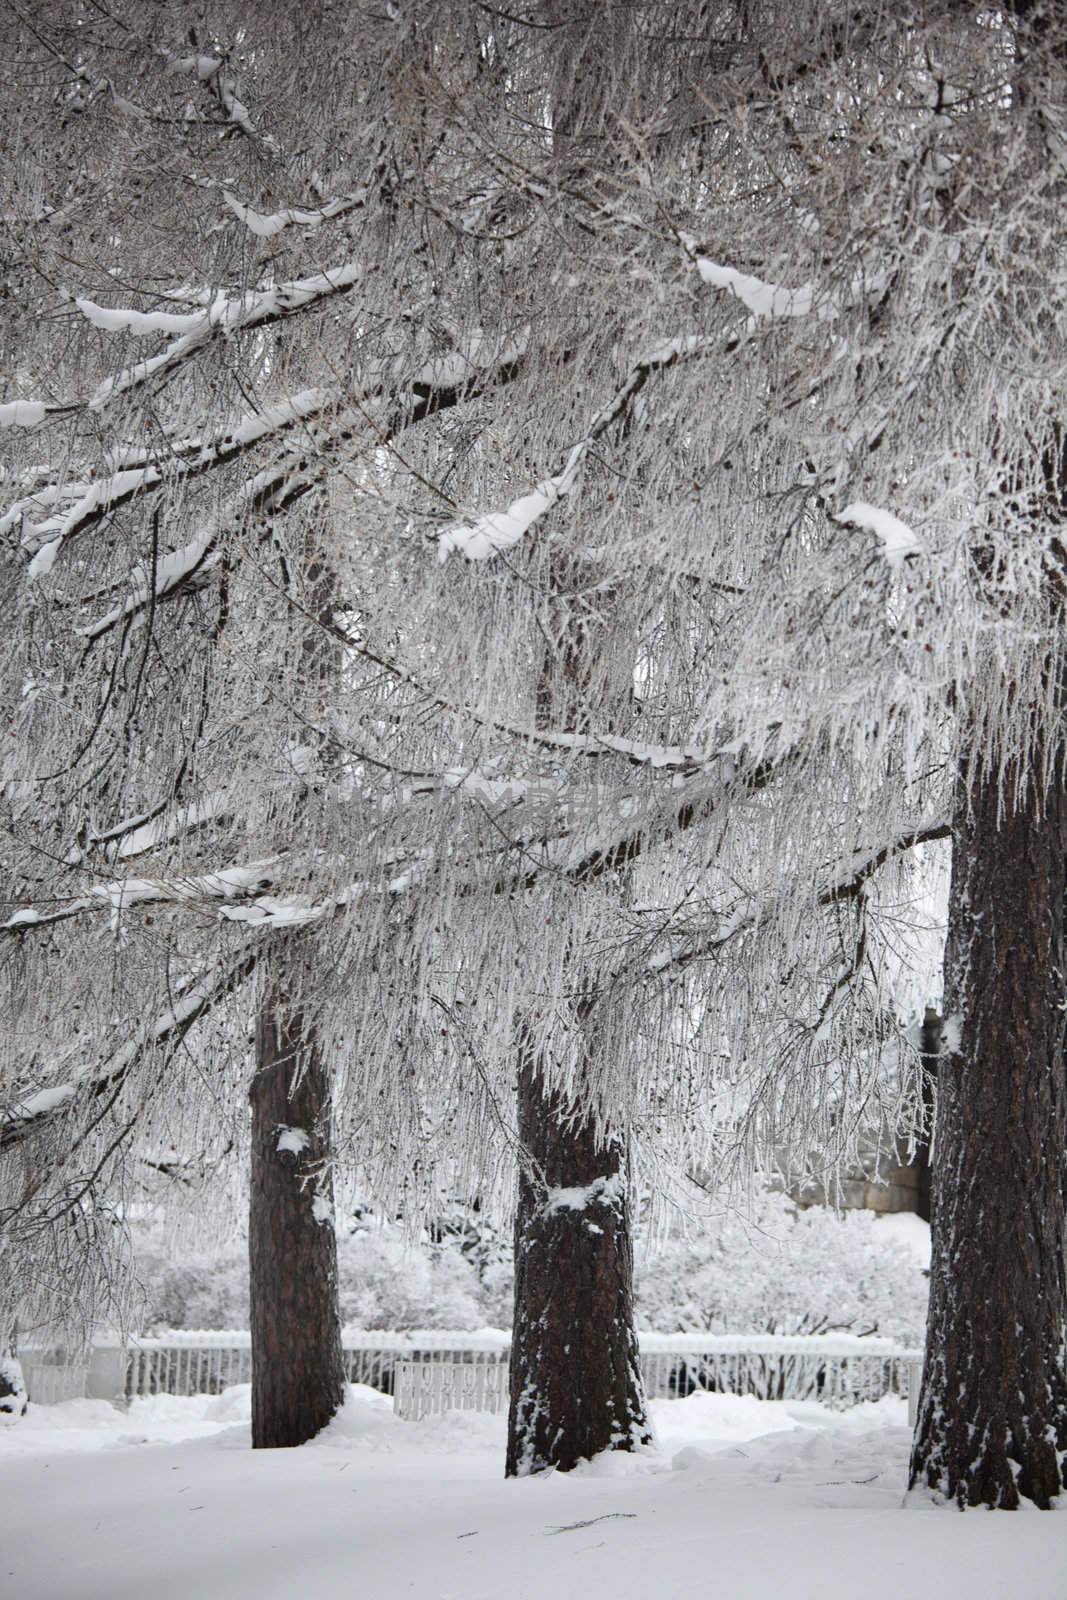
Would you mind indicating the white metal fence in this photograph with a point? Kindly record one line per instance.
(432, 1370)
(428, 1388)
(187, 1363)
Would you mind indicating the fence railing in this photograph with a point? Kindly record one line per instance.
(431, 1370)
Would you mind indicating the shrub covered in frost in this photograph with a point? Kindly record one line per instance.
(386, 1281)
(776, 1269)
(389, 1282)
(771, 1269)
(191, 1289)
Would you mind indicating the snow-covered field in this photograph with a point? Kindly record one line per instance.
(744, 1500)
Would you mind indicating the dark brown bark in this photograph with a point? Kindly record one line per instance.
(575, 1377)
(297, 1365)
(993, 1411)
(930, 1050)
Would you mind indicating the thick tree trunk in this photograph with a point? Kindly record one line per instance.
(575, 1377)
(993, 1412)
(930, 1049)
(297, 1365)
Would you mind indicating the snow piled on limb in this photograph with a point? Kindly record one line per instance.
(215, 75)
(22, 413)
(224, 317)
(897, 539)
(264, 225)
(500, 530)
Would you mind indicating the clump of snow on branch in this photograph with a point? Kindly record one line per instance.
(22, 413)
(897, 539)
(499, 530)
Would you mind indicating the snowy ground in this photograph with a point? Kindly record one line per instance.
(744, 1500)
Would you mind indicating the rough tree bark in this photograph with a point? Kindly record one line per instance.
(297, 1365)
(575, 1377)
(930, 1051)
(993, 1411)
(992, 1425)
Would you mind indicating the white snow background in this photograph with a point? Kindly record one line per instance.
(742, 1500)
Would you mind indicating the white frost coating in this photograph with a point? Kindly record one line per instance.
(477, 353)
(602, 1191)
(22, 413)
(898, 540)
(952, 1034)
(322, 1210)
(499, 530)
(292, 1141)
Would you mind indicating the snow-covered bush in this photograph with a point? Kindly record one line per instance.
(192, 1289)
(776, 1269)
(12, 1387)
(768, 1269)
(388, 1282)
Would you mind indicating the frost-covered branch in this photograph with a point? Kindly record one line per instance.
(438, 385)
(192, 1000)
(225, 316)
(499, 530)
(897, 539)
(847, 882)
(266, 224)
(86, 503)
(770, 302)
(235, 882)
(213, 73)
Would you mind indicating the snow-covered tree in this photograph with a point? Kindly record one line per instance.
(736, 390)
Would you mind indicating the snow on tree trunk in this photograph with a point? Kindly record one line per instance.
(575, 1378)
(297, 1364)
(993, 1412)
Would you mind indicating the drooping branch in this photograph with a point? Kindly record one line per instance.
(500, 530)
(193, 1000)
(847, 882)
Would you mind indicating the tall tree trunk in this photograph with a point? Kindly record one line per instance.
(993, 1411)
(930, 1051)
(575, 1378)
(297, 1365)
